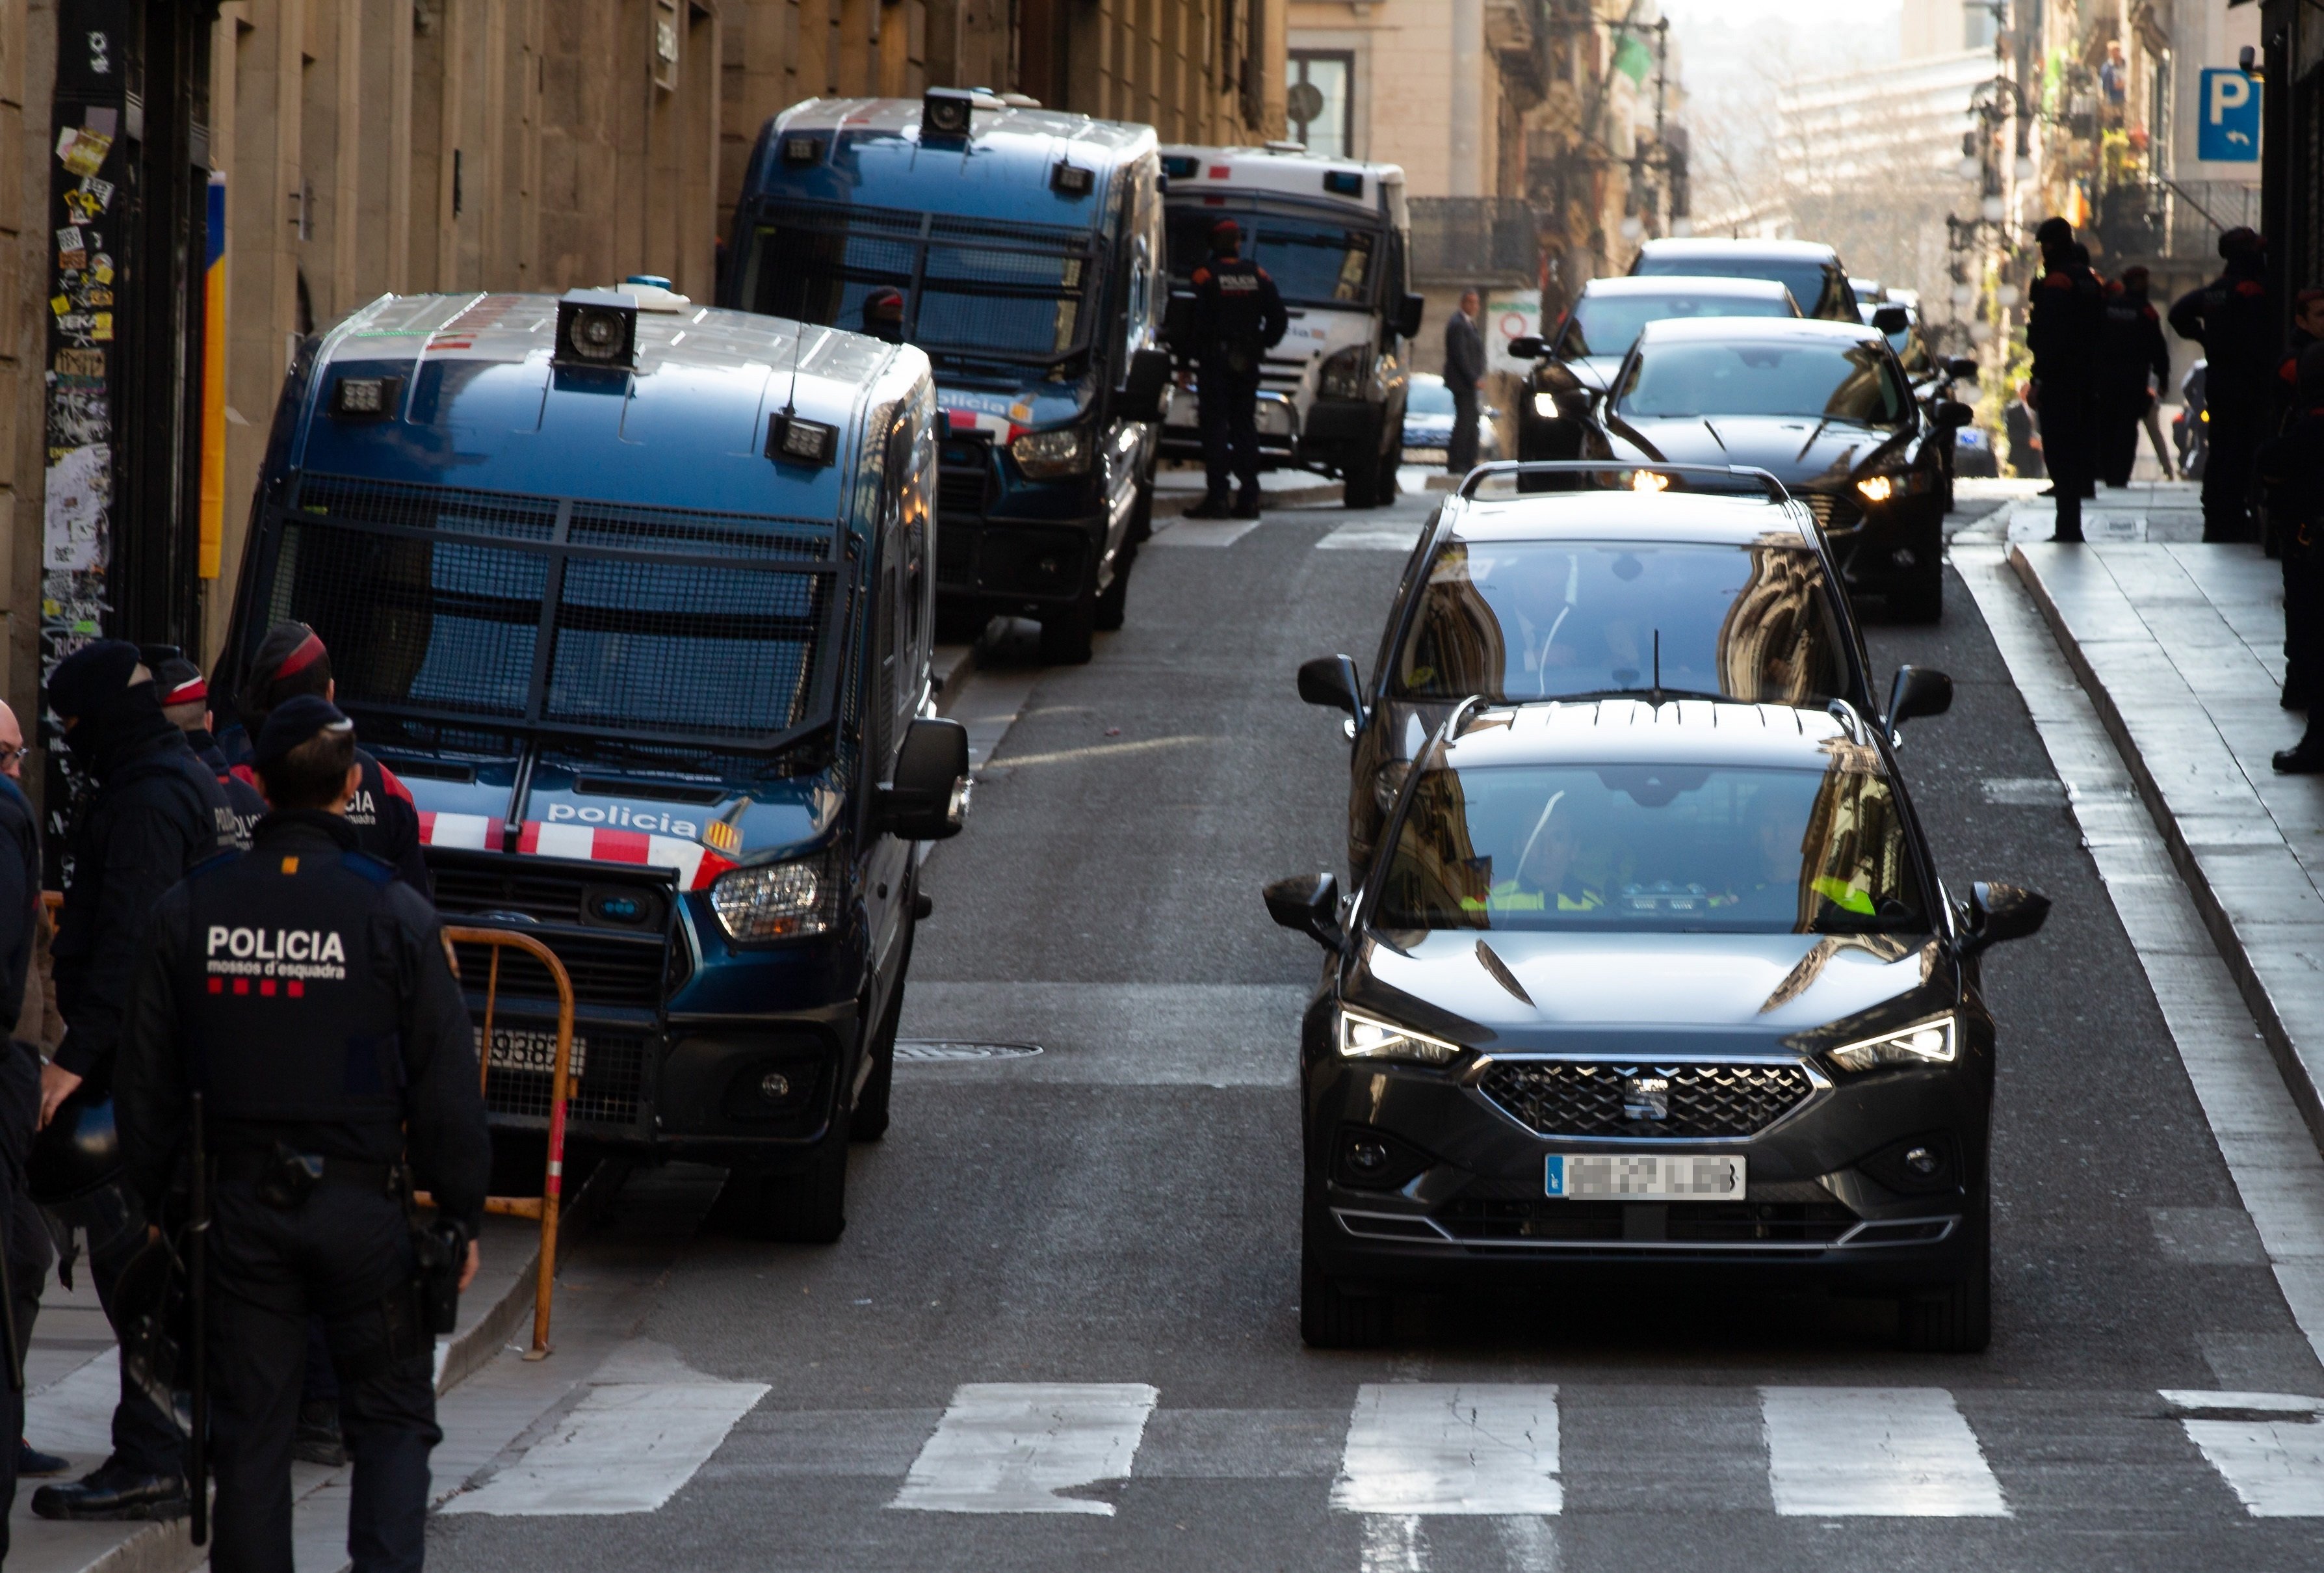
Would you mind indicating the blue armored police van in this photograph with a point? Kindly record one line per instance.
(635, 595)
(1023, 250)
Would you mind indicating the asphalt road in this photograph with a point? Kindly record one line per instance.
(1121, 1212)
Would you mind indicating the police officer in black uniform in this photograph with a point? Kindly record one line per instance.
(302, 989)
(1238, 318)
(156, 812)
(2231, 318)
(2290, 472)
(23, 1240)
(292, 659)
(2061, 330)
(2130, 350)
(186, 702)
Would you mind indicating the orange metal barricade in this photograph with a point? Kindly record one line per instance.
(543, 1206)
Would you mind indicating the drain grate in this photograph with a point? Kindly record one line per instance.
(928, 1050)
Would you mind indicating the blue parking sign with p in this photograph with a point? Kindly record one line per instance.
(2227, 130)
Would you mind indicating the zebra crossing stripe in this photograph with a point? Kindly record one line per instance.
(2268, 1447)
(1451, 1448)
(1012, 1447)
(627, 1447)
(1874, 1452)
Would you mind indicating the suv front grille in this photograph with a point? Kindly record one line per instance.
(1567, 1097)
(1832, 510)
(1717, 1223)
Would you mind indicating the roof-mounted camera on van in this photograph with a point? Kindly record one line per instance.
(597, 329)
(945, 112)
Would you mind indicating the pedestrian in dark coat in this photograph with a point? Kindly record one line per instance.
(1464, 379)
(23, 1238)
(1238, 318)
(2061, 330)
(2291, 472)
(2133, 363)
(2232, 319)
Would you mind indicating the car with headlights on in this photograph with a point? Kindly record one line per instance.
(1650, 989)
(1592, 336)
(1822, 406)
(1695, 576)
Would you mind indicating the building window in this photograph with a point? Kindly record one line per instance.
(1976, 25)
(1320, 103)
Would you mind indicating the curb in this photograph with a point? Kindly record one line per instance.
(2299, 1080)
(469, 1348)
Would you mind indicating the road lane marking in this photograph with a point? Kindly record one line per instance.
(627, 1447)
(2275, 1467)
(1530, 1544)
(1012, 1447)
(1099, 751)
(1874, 1452)
(1203, 533)
(1392, 1544)
(1451, 1448)
(1370, 537)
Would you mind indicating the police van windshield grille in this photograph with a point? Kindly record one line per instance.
(641, 624)
(1012, 291)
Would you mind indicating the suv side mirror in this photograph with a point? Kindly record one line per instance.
(2000, 913)
(1331, 680)
(1961, 369)
(1918, 690)
(1408, 315)
(925, 801)
(1950, 414)
(1528, 346)
(1891, 318)
(1309, 903)
(1144, 386)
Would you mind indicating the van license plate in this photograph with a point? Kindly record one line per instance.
(530, 1049)
(1592, 1176)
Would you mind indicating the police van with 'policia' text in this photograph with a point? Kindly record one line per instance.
(1335, 237)
(1021, 249)
(639, 603)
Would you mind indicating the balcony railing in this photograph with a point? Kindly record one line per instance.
(2173, 220)
(1479, 240)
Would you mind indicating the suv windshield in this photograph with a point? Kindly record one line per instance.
(1816, 286)
(1012, 292)
(1644, 848)
(1829, 380)
(1324, 260)
(1610, 324)
(1538, 620)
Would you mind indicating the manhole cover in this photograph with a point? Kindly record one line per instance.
(942, 1049)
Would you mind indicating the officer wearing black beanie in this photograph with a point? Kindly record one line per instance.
(154, 810)
(2235, 321)
(2062, 324)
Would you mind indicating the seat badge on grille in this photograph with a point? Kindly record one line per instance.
(1645, 1098)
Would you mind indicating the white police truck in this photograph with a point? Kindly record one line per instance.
(1336, 236)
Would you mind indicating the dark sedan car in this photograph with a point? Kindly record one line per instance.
(1810, 270)
(1671, 986)
(1824, 408)
(1517, 596)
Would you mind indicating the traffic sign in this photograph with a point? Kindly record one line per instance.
(2228, 129)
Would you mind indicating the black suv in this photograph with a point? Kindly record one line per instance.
(1651, 981)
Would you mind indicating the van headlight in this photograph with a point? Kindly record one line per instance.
(1927, 1043)
(1368, 1038)
(1345, 374)
(775, 900)
(1046, 455)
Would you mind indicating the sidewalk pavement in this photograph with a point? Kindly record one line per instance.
(2179, 647)
(1178, 488)
(72, 1378)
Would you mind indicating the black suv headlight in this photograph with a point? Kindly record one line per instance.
(1890, 484)
(1929, 1043)
(1346, 374)
(1043, 456)
(1365, 1037)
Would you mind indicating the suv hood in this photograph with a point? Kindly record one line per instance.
(1788, 446)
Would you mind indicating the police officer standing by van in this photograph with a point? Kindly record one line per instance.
(1238, 318)
(156, 812)
(2232, 319)
(303, 990)
(186, 702)
(2063, 325)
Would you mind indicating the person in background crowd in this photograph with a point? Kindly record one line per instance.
(1236, 318)
(155, 812)
(2061, 330)
(883, 315)
(2134, 365)
(186, 702)
(1464, 378)
(23, 1237)
(2307, 328)
(2232, 319)
(2290, 469)
(292, 659)
(2024, 438)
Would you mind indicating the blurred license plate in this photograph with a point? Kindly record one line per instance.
(1594, 1176)
(528, 1048)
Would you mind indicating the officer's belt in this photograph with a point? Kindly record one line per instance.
(362, 1175)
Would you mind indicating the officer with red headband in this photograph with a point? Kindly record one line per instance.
(1238, 318)
(186, 702)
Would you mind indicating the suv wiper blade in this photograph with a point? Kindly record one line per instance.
(1651, 695)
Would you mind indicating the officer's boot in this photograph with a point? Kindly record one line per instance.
(1213, 506)
(112, 1492)
(2305, 757)
(2070, 516)
(1246, 505)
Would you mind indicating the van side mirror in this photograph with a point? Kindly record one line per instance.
(1918, 690)
(1962, 369)
(1309, 903)
(1144, 386)
(925, 801)
(1950, 414)
(1408, 315)
(1330, 682)
(1891, 318)
(1528, 346)
(1996, 913)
